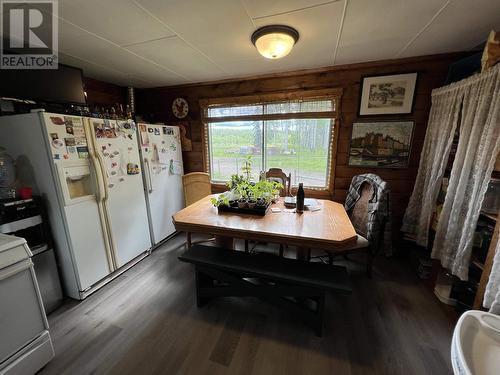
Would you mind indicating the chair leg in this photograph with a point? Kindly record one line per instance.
(369, 263)
(246, 246)
(188, 240)
(281, 251)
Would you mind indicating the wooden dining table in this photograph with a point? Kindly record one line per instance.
(328, 228)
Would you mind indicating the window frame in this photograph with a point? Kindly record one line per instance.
(334, 94)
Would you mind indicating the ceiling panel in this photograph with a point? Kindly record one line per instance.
(80, 44)
(379, 29)
(120, 21)
(461, 25)
(180, 57)
(104, 73)
(157, 42)
(318, 28)
(220, 29)
(264, 8)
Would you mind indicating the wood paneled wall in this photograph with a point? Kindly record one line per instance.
(155, 105)
(104, 93)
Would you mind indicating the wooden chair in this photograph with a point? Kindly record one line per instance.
(359, 219)
(196, 186)
(277, 174)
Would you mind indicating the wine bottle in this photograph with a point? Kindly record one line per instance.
(300, 199)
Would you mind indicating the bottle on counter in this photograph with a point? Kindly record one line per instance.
(300, 199)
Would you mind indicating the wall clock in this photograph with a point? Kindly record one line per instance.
(180, 107)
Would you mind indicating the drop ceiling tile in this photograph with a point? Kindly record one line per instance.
(264, 8)
(180, 57)
(80, 44)
(120, 21)
(379, 29)
(461, 26)
(217, 28)
(318, 28)
(93, 70)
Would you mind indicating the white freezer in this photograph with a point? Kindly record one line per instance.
(117, 149)
(162, 164)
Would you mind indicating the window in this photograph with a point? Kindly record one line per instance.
(296, 135)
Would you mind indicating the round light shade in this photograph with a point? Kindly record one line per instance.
(275, 41)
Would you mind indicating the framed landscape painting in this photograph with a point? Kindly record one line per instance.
(383, 144)
(387, 94)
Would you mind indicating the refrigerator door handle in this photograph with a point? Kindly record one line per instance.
(149, 181)
(103, 174)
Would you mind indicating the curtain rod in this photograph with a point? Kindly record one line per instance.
(467, 81)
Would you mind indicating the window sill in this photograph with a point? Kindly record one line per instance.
(310, 193)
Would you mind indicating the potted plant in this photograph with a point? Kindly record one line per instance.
(221, 200)
(242, 193)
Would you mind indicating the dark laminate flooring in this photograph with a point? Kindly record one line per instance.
(146, 322)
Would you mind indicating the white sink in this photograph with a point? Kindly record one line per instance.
(475, 348)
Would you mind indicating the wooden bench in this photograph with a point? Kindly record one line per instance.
(296, 286)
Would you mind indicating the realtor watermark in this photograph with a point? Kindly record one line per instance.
(29, 34)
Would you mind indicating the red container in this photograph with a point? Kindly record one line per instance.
(26, 193)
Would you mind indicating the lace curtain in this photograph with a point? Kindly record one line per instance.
(492, 293)
(442, 124)
(477, 150)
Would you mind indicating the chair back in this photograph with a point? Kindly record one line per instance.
(359, 213)
(277, 174)
(196, 186)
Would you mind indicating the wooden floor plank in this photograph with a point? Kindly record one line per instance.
(146, 322)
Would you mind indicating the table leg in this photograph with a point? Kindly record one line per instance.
(225, 242)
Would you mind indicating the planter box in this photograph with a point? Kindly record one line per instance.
(246, 211)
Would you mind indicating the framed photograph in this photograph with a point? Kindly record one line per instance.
(381, 144)
(387, 94)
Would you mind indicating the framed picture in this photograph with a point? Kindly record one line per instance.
(382, 144)
(387, 94)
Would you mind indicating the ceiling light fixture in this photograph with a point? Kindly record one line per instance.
(275, 41)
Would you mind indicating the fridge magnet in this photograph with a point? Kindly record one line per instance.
(78, 130)
(186, 143)
(111, 186)
(83, 152)
(57, 120)
(175, 167)
(130, 136)
(157, 131)
(150, 130)
(384, 144)
(99, 129)
(168, 131)
(132, 169)
(69, 129)
(54, 136)
(173, 147)
(81, 141)
(57, 143)
(57, 157)
(71, 149)
(110, 130)
(66, 156)
(70, 141)
(121, 179)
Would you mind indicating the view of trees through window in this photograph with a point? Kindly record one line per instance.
(298, 146)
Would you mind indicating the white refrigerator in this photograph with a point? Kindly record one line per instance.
(88, 170)
(161, 157)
